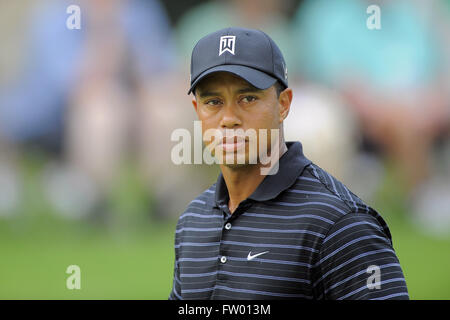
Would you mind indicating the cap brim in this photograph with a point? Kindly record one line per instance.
(258, 79)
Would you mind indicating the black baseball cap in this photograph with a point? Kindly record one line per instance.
(248, 53)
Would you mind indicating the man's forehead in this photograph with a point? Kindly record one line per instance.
(220, 80)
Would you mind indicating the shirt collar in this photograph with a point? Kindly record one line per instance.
(291, 165)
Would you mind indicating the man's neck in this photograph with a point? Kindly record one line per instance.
(243, 181)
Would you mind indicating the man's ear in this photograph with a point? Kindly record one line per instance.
(285, 100)
(194, 103)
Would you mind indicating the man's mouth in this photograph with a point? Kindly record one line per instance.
(235, 143)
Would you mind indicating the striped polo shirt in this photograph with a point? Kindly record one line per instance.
(302, 234)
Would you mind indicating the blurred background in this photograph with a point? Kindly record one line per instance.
(86, 116)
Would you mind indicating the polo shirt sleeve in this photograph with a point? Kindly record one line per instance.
(175, 294)
(357, 261)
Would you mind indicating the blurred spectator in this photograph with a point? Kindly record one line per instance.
(127, 48)
(31, 107)
(392, 77)
(321, 119)
(12, 17)
(76, 96)
(323, 123)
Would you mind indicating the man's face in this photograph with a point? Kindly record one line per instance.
(230, 105)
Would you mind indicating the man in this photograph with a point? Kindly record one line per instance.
(293, 232)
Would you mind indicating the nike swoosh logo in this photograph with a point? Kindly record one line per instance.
(251, 257)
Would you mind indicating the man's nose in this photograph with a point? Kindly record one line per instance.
(230, 117)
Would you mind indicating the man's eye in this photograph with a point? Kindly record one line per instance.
(248, 99)
(213, 102)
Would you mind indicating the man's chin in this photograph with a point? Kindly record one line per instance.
(233, 162)
(236, 166)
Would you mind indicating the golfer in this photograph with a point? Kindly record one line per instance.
(274, 225)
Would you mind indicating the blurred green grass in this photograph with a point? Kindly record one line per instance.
(113, 265)
(425, 261)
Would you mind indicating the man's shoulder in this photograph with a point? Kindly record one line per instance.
(342, 202)
(329, 188)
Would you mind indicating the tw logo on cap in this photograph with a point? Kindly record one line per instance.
(227, 43)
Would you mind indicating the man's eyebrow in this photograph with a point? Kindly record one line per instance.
(204, 94)
(249, 90)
